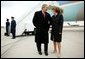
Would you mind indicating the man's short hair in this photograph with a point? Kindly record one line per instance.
(12, 17)
(44, 5)
(7, 19)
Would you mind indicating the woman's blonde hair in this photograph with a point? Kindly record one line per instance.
(58, 10)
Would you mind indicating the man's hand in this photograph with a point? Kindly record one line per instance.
(60, 33)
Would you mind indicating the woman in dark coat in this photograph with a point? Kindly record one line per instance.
(56, 33)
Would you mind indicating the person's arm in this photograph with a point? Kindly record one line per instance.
(50, 20)
(61, 24)
(6, 24)
(9, 23)
(14, 24)
(35, 20)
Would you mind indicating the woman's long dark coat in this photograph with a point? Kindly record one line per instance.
(57, 26)
(42, 26)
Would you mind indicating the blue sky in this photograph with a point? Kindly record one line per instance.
(18, 9)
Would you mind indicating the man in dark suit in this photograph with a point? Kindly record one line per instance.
(7, 27)
(13, 27)
(41, 21)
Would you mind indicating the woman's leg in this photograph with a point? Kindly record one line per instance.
(59, 48)
(55, 50)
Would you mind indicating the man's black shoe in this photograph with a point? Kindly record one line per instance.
(40, 53)
(46, 53)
